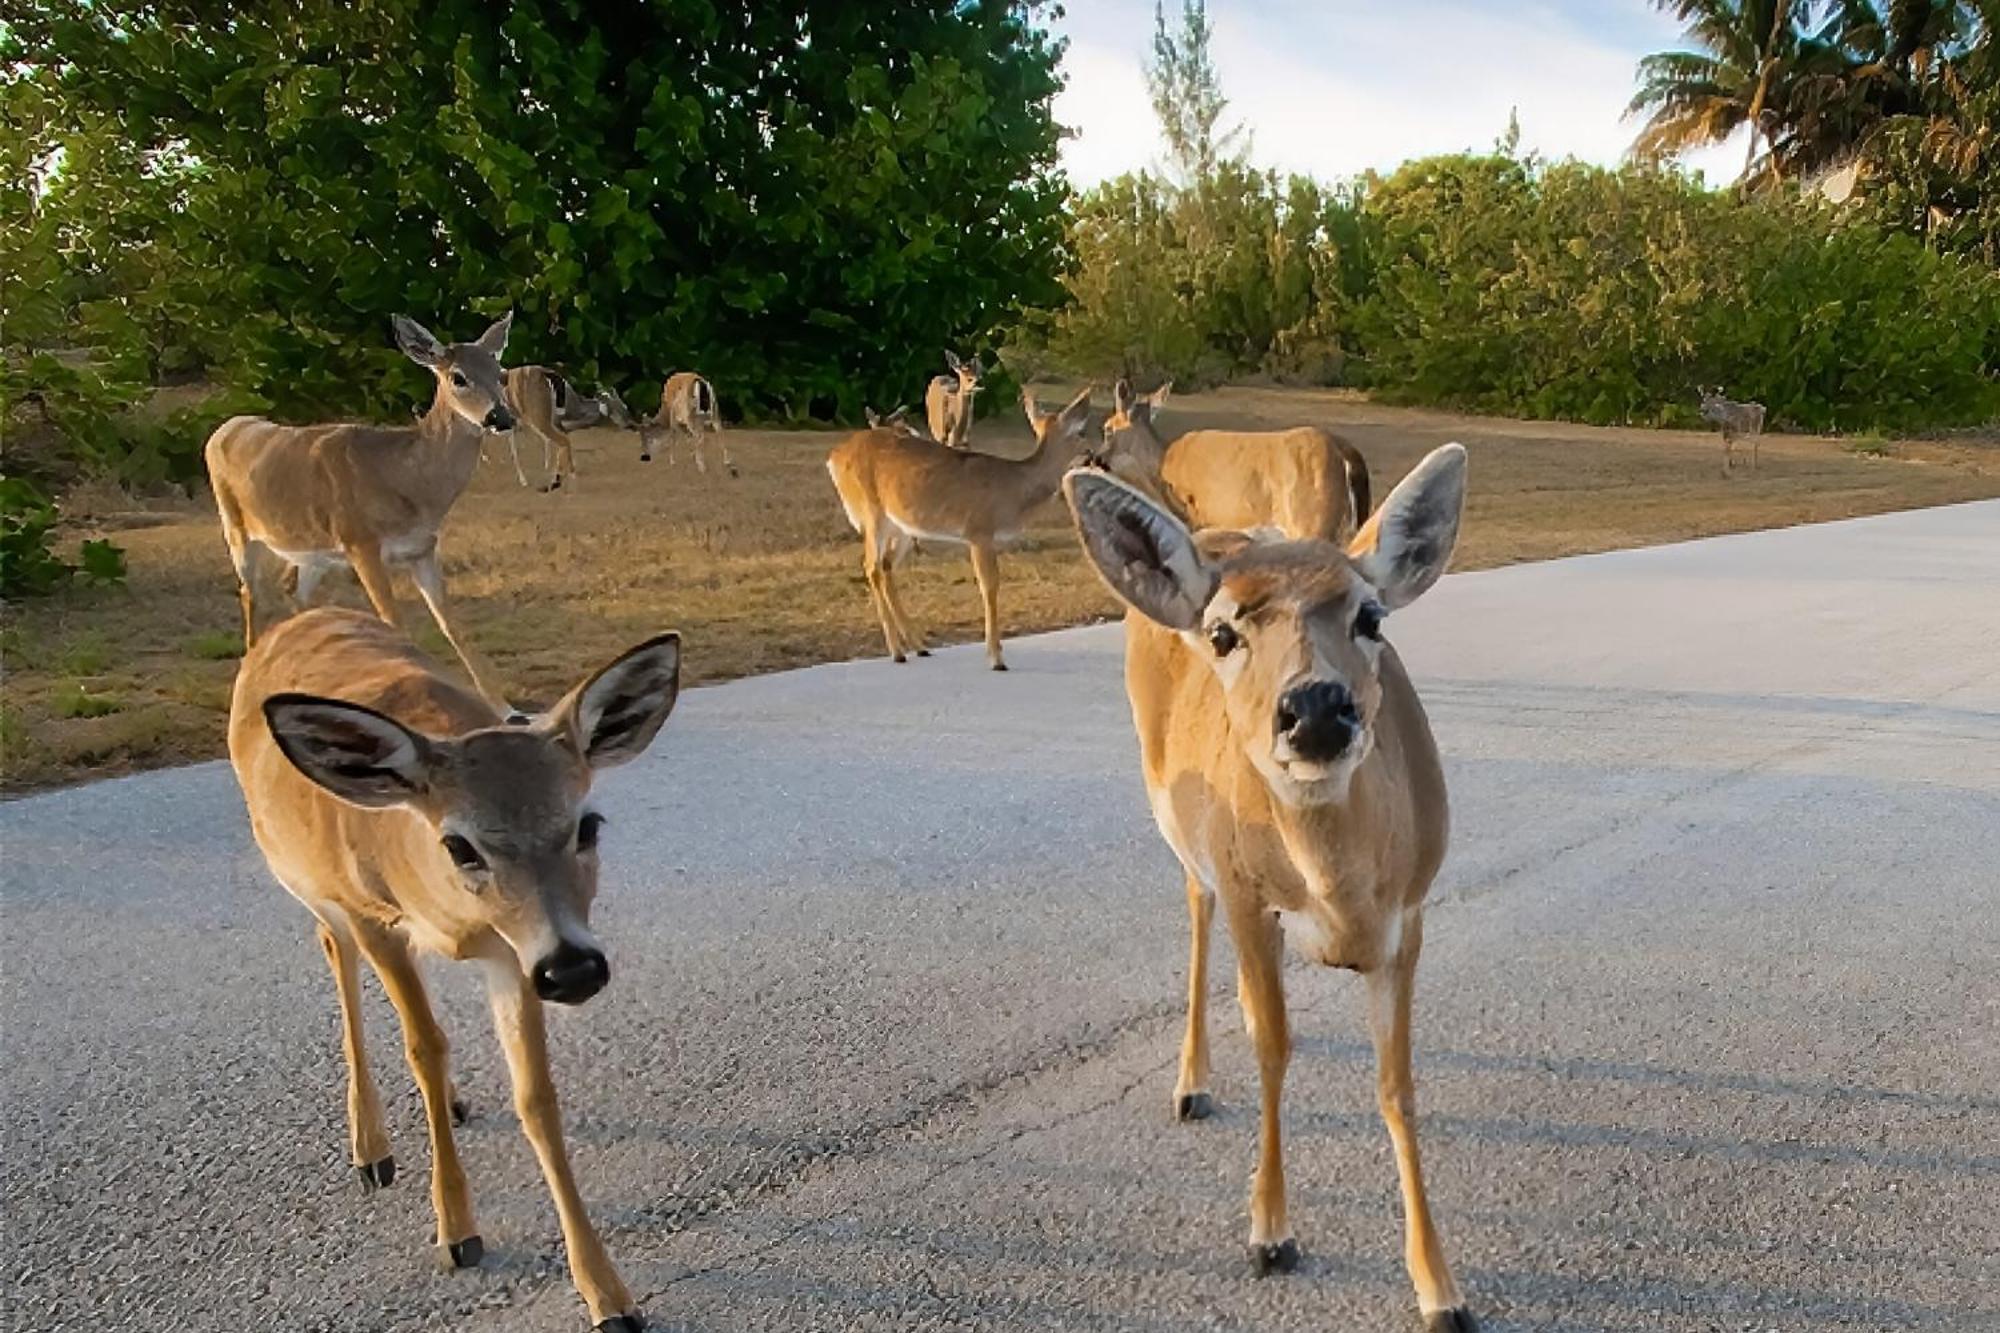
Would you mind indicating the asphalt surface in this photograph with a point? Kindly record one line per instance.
(1708, 1025)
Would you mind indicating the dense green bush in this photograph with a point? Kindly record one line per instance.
(1505, 285)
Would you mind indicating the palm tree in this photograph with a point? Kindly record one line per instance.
(1752, 54)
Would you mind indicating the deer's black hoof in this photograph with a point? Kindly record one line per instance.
(461, 1254)
(377, 1175)
(461, 1110)
(1193, 1106)
(923, 652)
(733, 472)
(1280, 1258)
(645, 458)
(1459, 1320)
(999, 666)
(623, 1323)
(899, 659)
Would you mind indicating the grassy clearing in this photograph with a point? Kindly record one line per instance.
(762, 573)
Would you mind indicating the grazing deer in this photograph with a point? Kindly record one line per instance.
(1731, 420)
(1292, 771)
(897, 421)
(405, 816)
(1306, 482)
(687, 407)
(948, 401)
(898, 489)
(371, 497)
(548, 405)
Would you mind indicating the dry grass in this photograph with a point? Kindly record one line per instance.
(762, 573)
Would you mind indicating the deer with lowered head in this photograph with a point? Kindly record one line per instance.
(408, 818)
(549, 407)
(687, 408)
(373, 498)
(899, 489)
(948, 400)
(1305, 481)
(1292, 771)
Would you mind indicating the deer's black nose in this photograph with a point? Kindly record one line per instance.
(499, 419)
(1319, 719)
(571, 975)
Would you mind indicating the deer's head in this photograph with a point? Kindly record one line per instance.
(1291, 629)
(1132, 445)
(615, 411)
(969, 374)
(1064, 428)
(511, 835)
(469, 378)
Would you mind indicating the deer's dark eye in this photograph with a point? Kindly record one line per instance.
(587, 830)
(458, 378)
(1222, 637)
(462, 853)
(1368, 622)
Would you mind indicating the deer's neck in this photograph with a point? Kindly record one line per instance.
(1037, 476)
(446, 450)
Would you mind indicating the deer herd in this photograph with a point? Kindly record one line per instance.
(1283, 748)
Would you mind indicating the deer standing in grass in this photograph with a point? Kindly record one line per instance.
(687, 407)
(899, 489)
(1291, 769)
(948, 401)
(405, 815)
(1306, 482)
(549, 407)
(370, 497)
(1731, 420)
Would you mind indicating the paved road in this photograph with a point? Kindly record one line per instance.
(1708, 1031)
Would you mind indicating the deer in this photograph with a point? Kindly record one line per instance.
(898, 489)
(1730, 420)
(1305, 481)
(1290, 767)
(407, 816)
(948, 400)
(371, 497)
(545, 403)
(897, 421)
(687, 407)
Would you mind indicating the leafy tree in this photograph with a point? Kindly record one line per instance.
(1187, 95)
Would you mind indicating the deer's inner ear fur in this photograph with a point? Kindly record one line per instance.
(358, 754)
(1144, 554)
(1404, 548)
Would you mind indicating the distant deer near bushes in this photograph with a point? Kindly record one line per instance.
(1733, 419)
(948, 400)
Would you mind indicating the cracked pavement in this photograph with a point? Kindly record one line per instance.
(1708, 1022)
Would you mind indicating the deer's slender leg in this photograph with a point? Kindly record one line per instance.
(366, 561)
(367, 1137)
(1191, 1099)
(722, 440)
(430, 582)
(517, 1016)
(1390, 988)
(878, 589)
(894, 549)
(986, 569)
(514, 450)
(429, 1055)
(1260, 988)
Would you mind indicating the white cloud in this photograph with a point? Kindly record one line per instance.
(1334, 88)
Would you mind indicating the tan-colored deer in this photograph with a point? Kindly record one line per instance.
(405, 815)
(370, 497)
(549, 407)
(687, 407)
(898, 489)
(1291, 769)
(1306, 482)
(948, 401)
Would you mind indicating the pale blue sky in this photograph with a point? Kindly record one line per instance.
(1333, 87)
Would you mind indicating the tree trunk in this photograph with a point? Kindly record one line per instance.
(1781, 13)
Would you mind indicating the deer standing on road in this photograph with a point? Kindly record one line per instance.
(547, 405)
(687, 407)
(405, 815)
(370, 497)
(898, 489)
(1291, 769)
(1731, 420)
(1306, 482)
(948, 401)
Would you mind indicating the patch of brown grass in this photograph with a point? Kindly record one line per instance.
(761, 573)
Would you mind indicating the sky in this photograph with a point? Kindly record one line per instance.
(1331, 88)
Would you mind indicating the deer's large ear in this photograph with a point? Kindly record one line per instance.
(1405, 547)
(1157, 399)
(1076, 413)
(356, 753)
(1122, 397)
(1145, 555)
(977, 369)
(616, 713)
(1032, 407)
(951, 359)
(494, 341)
(418, 343)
